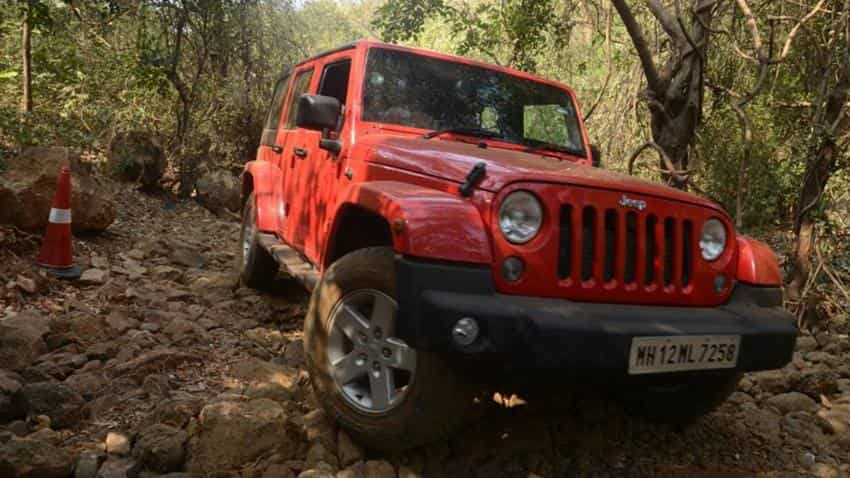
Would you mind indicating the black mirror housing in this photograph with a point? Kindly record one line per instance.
(318, 112)
(595, 156)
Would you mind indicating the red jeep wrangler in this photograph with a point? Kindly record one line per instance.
(450, 221)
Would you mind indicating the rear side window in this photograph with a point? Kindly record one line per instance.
(273, 118)
(302, 82)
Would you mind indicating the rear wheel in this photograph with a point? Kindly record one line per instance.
(679, 401)
(257, 268)
(389, 395)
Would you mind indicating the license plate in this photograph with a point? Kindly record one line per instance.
(684, 352)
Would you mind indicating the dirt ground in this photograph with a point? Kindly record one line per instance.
(157, 364)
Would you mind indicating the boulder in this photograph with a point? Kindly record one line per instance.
(118, 443)
(12, 404)
(22, 339)
(136, 156)
(88, 463)
(25, 458)
(219, 191)
(28, 185)
(58, 401)
(231, 434)
(118, 468)
(791, 402)
(161, 448)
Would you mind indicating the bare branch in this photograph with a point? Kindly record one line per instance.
(649, 69)
(667, 21)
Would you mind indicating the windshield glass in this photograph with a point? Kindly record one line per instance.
(414, 90)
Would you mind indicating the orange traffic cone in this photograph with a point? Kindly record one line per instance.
(56, 253)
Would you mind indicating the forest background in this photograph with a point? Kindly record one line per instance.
(742, 101)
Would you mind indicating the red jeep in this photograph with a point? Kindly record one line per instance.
(450, 221)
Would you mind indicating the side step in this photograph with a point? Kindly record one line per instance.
(290, 260)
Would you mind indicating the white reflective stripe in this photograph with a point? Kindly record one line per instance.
(60, 216)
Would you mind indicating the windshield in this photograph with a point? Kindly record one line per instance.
(414, 90)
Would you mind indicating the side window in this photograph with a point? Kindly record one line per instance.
(273, 117)
(335, 80)
(302, 82)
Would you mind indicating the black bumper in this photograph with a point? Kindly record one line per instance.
(530, 333)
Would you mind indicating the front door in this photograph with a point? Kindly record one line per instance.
(292, 163)
(323, 169)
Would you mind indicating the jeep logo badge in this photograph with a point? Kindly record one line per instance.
(638, 204)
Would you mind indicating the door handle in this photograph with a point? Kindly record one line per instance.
(300, 152)
(277, 149)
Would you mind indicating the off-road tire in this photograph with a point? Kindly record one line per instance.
(681, 401)
(438, 402)
(260, 269)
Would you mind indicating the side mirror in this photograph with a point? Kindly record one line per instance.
(318, 112)
(595, 156)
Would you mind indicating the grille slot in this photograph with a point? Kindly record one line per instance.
(565, 243)
(588, 225)
(632, 247)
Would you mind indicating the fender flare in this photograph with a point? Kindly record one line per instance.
(757, 263)
(265, 180)
(424, 222)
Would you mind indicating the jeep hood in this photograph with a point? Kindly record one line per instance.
(452, 160)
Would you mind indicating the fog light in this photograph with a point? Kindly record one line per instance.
(512, 269)
(720, 283)
(465, 331)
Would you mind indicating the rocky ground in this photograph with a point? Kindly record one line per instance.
(155, 364)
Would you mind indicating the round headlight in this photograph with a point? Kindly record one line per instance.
(712, 240)
(520, 217)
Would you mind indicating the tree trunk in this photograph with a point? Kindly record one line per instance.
(26, 53)
(835, 124)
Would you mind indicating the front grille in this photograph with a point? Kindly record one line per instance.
(614, 245)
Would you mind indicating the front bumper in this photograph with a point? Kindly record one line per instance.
(530, 333)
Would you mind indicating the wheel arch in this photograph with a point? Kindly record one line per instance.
(421, 222)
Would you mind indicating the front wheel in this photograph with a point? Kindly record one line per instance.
(256, 267)
(681, 400)
(389, 395)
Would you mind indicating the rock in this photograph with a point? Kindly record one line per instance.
(772, 381)
(21, 340)
(29, 183)
(26, 284)
(154, 360)
(816, 382)
(791, 402)
(315, 474)
(293, 353)
(231, 434)
(88, 463)
(219, 190)
(24, 458)
(167, 273)
(802, 426)
(806, 343)
(278, 471)
(12, 404)
(175, 412)
(136, 156)
(356, 470)
(161, 448)
(93, 277)
(266, 379)
(379, 469)
(118, 443)
(58, 401)
(348, 451)
(119, 322)
(87, 384)
(118, 468)
(318, 453)
(156, 385)
(188, 258)
(838, 418)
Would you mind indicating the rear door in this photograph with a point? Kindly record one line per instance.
(272, 137)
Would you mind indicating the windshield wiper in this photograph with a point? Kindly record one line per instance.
(554, 147)
(471, 131)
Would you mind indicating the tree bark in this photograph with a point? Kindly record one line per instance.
(819, 170)
(26, 53)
